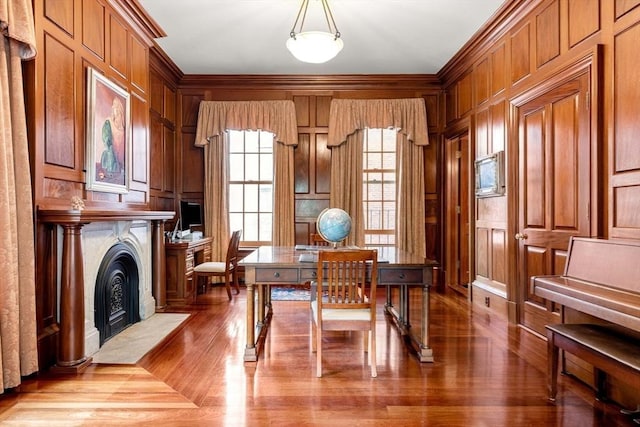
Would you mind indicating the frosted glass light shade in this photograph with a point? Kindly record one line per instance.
(314, 47)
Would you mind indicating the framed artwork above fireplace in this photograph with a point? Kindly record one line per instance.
(108, 147)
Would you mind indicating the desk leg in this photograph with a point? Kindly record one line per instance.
(250, 352)
(426, 353)
(261, 305)
(404, 306)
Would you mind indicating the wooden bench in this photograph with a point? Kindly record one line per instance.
(602, 279)
(608, 349)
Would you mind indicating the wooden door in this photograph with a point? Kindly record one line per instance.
(457, 214)
(554, 189)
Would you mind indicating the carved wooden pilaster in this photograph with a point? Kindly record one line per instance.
(71, 342)
(158, 273)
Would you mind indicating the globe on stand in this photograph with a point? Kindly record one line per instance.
(334, 225)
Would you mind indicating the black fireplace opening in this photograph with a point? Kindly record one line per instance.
(116, 303)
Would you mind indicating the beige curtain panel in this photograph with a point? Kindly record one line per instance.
(214, 119)
(18, 339)
(347, 120)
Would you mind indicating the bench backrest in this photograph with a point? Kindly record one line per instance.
(614, 263)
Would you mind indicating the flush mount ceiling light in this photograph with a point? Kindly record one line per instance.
(315, 47)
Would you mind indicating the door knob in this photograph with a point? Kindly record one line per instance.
(521, 236)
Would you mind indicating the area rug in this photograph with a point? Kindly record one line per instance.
(289, 294)
(133, 343)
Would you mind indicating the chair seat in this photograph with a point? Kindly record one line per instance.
(342, 314)
(210, 267)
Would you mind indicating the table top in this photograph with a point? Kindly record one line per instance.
(288, 256)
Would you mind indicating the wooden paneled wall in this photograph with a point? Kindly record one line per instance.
(531, 44)
(72, 36)
(163, 118)
(540, 38)
(113, 38)
(312, 97)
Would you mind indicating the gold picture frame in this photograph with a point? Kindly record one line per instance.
(108, 148)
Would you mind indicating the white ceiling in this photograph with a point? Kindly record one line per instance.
(380, 36)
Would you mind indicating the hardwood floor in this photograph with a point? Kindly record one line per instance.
(486, 373)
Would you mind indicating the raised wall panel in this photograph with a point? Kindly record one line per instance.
(626, 97)
(118, 46)
(169, 104)
(520, 54)
(451, 103)
(193, 165)
(303, 110)
(465, 94)
(498, 256)
(431, 107)
(60, 189)
(481, 75)
(323, 104)
(482, 252)
(139, 65)
(156, 94)
(431, 165)
(584, 19)
(498, 77)
(626, 205)
(139, 139)
(60, 12)
(190, 108)
(301, 155)
(168, 160)
(491, 211)
(306, 208)
(303, 230)
(93, 26)
(498, 127)
(548, 34)
(60, 112)
(482, 132)
(624, 6)
(156, 149)
(323, 165)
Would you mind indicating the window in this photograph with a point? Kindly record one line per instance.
(251, 185)
(379, 191)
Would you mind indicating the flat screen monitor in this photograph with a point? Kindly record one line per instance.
(190, 215)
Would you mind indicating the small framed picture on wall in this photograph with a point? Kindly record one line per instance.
(108, 148)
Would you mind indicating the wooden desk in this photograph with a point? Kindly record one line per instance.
(407, 278)
(181, 256)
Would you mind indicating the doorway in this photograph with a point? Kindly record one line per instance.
(554, 188)
(457, 215)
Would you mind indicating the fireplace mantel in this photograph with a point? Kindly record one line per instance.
(71, 352)
(85, 216)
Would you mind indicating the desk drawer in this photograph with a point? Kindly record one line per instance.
(277, 275)
(399, 276)
(189, 262)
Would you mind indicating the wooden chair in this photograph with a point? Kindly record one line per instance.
(346, 301)
(317, 240)
(227, 269)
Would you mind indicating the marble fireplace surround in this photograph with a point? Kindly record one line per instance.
(102, 228)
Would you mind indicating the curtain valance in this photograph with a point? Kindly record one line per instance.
(346, 116)
(215, 117)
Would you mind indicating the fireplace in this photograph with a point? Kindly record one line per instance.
(117, 278)
(116, 292)
(84, 237)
